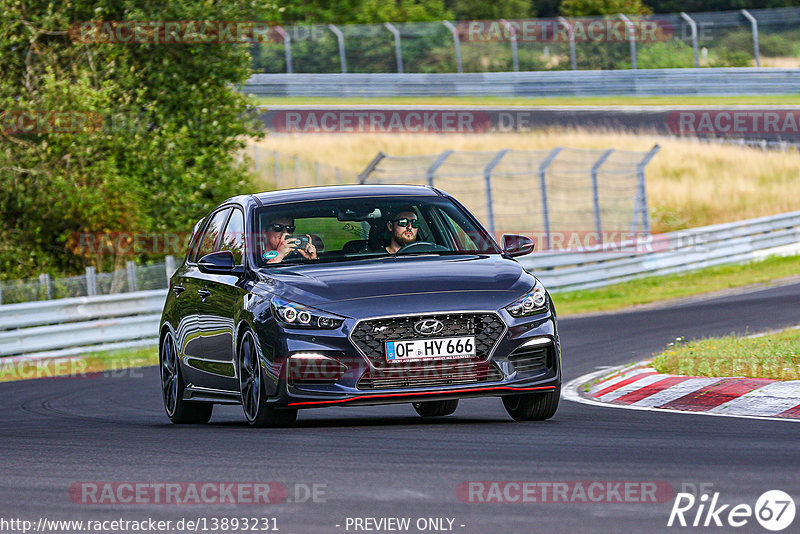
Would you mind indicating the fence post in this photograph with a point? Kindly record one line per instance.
(316, 172)
(514, 52)
(398, 49)
(754, 25)
(487, 182)
(571, 33)
(641, 193)
(169, 266)
(44, 281)
(287, 45)
(598, 225)
(436, 164)
(277, 170)
(693, 27)
(543, 187)
(340, 38)
(370, 167)
(1, 292)
(130, 267)
(631, 38)
(456, 44)
(91, 282)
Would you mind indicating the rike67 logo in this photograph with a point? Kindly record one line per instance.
(774, 510)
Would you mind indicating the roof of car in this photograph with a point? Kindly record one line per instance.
(342, 191)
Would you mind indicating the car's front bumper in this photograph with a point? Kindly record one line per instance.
(510, 374)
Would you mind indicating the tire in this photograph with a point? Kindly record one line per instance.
(179, 411)
(435, 408)
(532, 406)
(251, 385)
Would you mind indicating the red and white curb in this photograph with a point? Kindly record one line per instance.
(640, 387)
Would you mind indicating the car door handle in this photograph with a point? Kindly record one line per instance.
(178, 290)
(203, 293)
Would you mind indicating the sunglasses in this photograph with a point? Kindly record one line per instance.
(405, 222)
(280, 228)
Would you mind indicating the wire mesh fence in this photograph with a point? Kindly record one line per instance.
(757, 37)
(284, 171)
(562, 197)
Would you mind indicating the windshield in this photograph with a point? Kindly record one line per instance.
(353, 229)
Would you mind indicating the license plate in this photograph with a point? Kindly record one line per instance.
(448, 348)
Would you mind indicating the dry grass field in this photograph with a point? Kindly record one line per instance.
(689, 182)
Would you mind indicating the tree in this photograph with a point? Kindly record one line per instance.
(161, 151)
(595, 8)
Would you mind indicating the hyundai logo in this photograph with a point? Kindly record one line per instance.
(428, 327)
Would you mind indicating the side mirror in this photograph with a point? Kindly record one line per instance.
(517, 245)
(217, 263)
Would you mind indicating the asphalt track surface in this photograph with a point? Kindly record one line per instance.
(387, 462)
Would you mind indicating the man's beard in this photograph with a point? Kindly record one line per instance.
(403, 240)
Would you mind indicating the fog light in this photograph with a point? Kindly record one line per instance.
(314, 368)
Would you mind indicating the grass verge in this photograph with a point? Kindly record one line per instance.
(745, 100)
(87, 365)
(775, 356)
(659, 288)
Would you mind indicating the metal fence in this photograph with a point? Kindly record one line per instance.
(550, 193)
(758, 37)
(653, 82)
(132, 278)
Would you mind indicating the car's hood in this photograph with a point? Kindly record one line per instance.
(392, 285)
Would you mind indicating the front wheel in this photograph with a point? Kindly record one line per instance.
(532, 406)
(435, 408)
(251, 386)
(178, 410)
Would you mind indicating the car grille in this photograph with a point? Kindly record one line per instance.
(448, 373)
(530, 359)
(370, 335)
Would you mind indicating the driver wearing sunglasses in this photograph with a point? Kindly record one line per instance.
(277, 247)
(403, 228)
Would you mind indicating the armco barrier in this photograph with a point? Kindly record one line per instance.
(72, 326)
(668, 82)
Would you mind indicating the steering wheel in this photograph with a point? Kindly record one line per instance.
(421, 246)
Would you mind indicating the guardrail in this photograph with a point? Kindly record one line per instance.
(652, 82)
(77, 325)
(669, 253)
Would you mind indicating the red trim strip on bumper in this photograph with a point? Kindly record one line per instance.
(338, 401)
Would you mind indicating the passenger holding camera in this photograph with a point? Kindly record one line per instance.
(280, 242)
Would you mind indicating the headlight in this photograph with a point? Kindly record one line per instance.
(532, 303)
(299, 316)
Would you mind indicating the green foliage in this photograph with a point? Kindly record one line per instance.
(169, 161)
(594, 8)
(672, 54)
(362, 11)
(483, 10)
